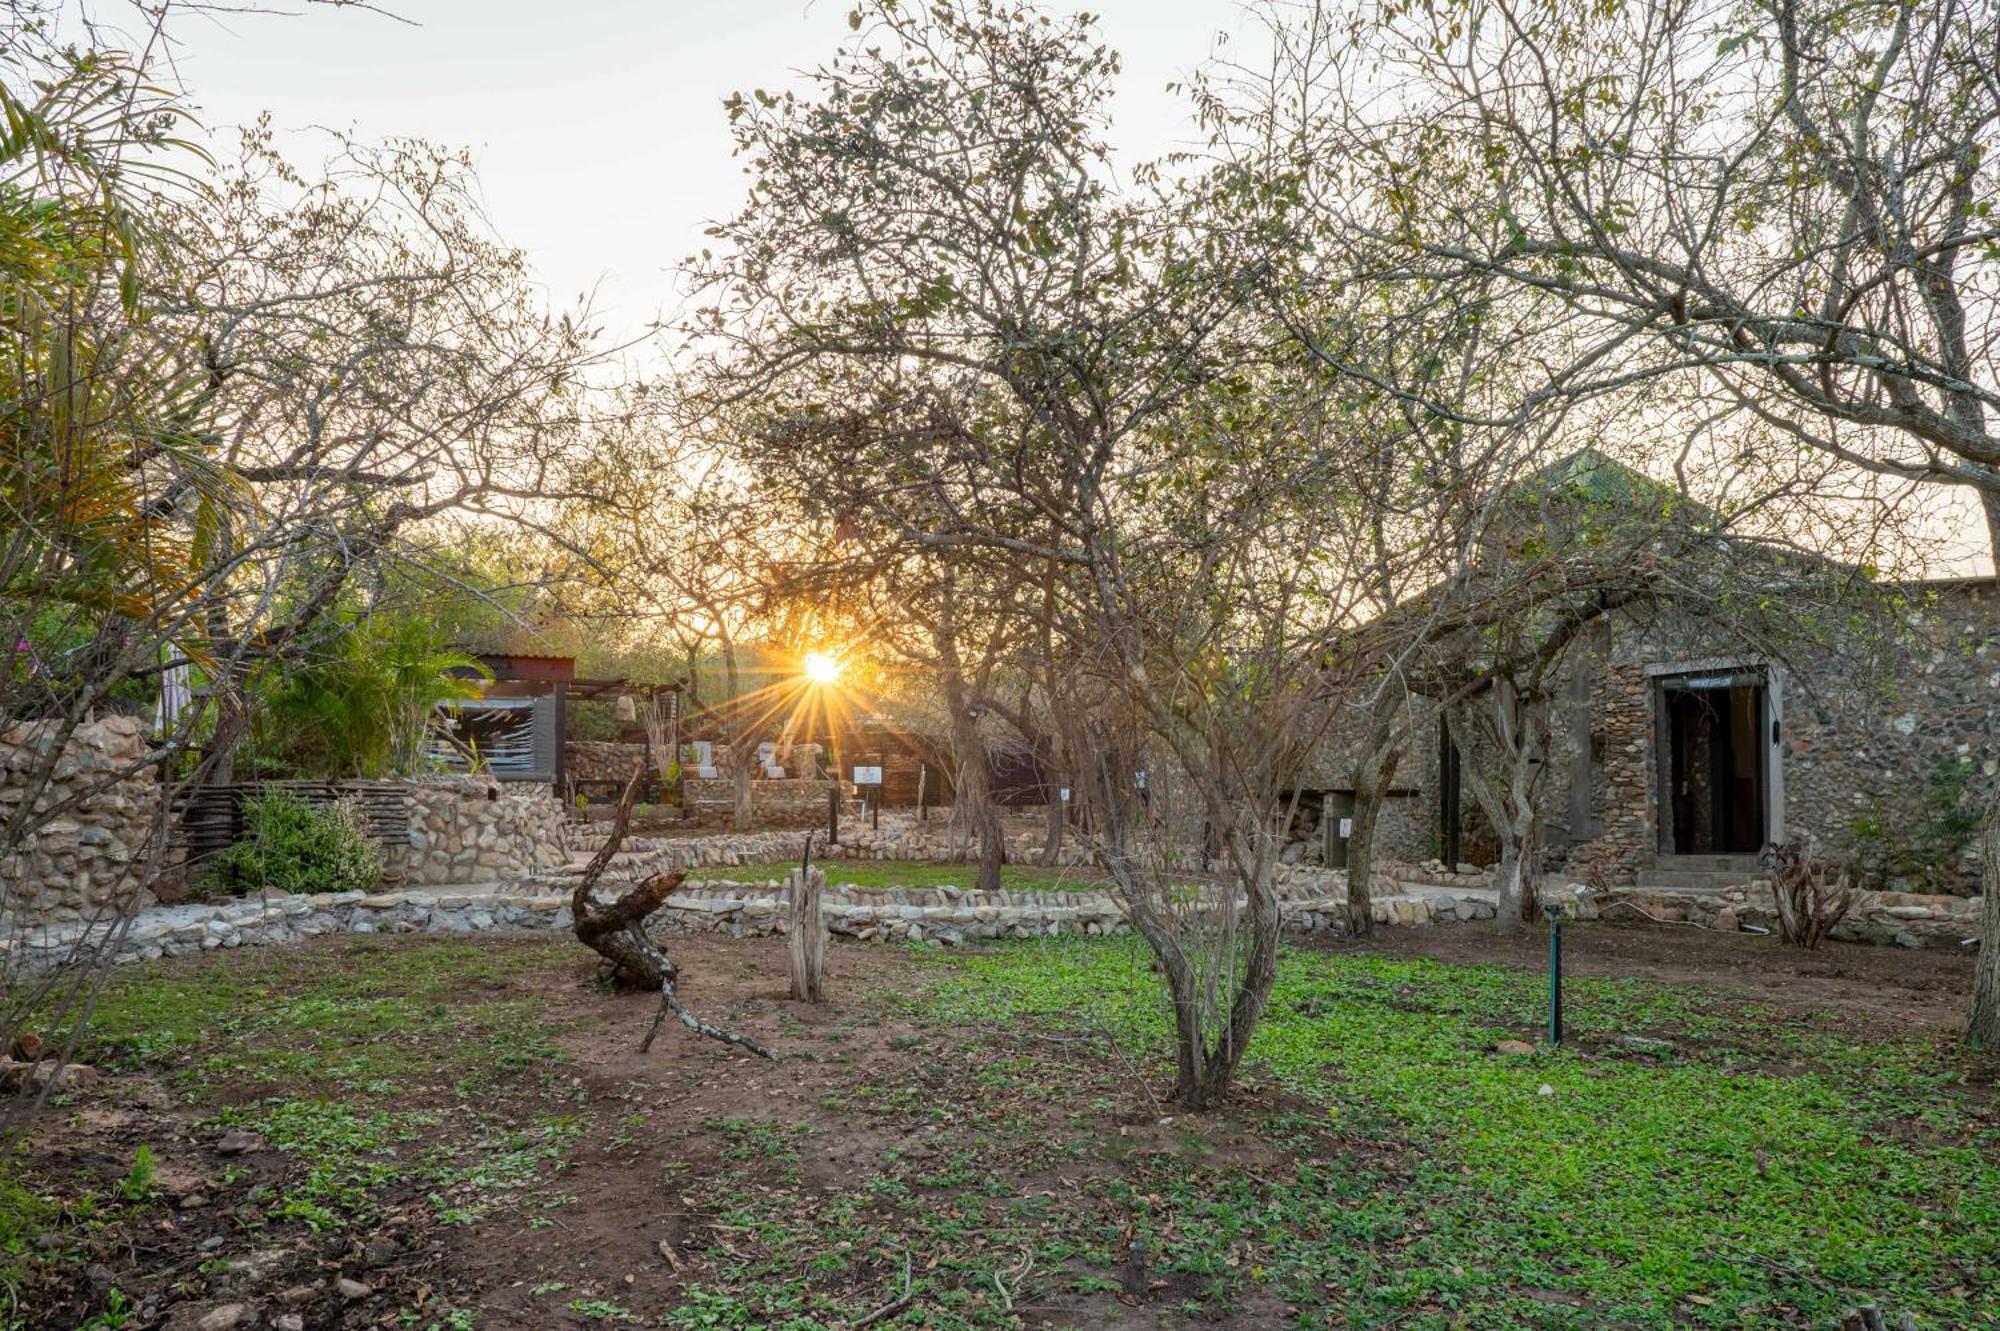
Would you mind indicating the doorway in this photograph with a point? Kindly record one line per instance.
(1714, 774)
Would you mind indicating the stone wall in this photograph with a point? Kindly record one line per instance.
(1598, 792)
(86, 861)
(1864, 743)
(1869, 717)
(944, 916)
(1885, 919)
(1314, 899)
(1871, 714)
(601, 759)
(784, 803)
(467, 829)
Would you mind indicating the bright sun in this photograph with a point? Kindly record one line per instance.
(821, 668)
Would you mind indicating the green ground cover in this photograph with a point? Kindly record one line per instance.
(392, 1070)
(897, 873)
(976, 1130)
(1762, 1173)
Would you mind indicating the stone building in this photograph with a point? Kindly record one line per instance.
(1675, 754)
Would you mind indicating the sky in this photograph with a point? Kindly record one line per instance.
(597, 125)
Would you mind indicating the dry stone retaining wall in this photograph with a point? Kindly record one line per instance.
(469, 829)
(1899, 919)
(1313, 900)
(943, 916)
(85, 861)
(601, 759)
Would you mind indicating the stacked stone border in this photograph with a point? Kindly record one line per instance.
(944, 916)
(1314, 900)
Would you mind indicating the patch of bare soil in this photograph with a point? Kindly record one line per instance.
(995, 1169)
(1872, 989)
(871, 1131)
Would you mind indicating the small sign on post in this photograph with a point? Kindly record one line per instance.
(1346, 828)
(871, 776)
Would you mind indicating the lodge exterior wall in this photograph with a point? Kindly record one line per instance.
(1872, 716)
(1871, 719)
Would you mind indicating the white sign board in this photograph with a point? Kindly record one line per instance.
(867, 776)
(1346, 827)
(1065, 794)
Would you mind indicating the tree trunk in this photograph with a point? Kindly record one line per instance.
(1515, 742)
(1215, 1071)
(742, 740)
(1989, 502)
(743, 812)
(1209, 1046)
(1361, 858)
(617, 932)
(807, 943)
(1507, 881)
(231, 717)
(1983, 1032)
(1371, 786)
(1052, 839)
(974, 794)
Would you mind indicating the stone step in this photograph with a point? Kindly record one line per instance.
(1732, 863)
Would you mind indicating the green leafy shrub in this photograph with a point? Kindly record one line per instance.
(363, 703)
(293, 846)
(1917, 833)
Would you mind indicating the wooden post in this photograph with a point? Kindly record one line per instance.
(923, 798)
(803, 888)
(833, 814)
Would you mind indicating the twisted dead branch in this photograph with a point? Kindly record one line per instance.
(617, 932)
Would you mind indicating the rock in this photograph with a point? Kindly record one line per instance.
(298, 1294)
(45, 1075)
(237, 1141)
(1645, 1044)
(1545, 1089)
(1725, 920)
(350, 1288)
(194, 1201)
(381, 1250)
(1514, 1047)
(290, 1322)
(224, 1318)
(261, 1265)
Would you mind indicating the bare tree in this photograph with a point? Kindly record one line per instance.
(1785, 209)
(240, 398)
(945, 317)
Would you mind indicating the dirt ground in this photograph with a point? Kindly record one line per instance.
(697, 1154)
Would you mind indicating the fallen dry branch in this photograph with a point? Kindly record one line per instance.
(895, 1305)
(617, 932)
